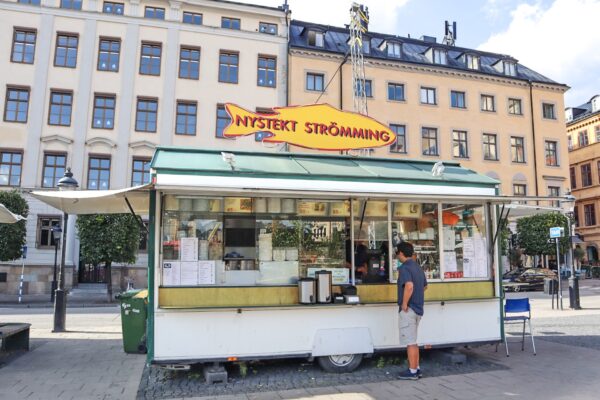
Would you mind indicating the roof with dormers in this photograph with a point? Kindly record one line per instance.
(414, 51)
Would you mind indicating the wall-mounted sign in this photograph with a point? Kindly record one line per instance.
(238, 205)
(318, 126)
(407, 210)
(312, 208)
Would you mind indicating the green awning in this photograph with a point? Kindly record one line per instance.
(190, 161)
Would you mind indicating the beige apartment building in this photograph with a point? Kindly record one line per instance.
(583, 135)
(484, 110)
(97, 85)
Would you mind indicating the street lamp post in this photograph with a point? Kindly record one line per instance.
(56, 230)
(60, 298)
(574, 303)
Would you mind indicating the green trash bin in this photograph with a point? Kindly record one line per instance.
(134, 311)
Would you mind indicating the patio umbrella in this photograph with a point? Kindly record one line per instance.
(6, 217)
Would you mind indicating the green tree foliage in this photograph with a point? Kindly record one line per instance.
(108, 238)
(12, 236)
(534, 232)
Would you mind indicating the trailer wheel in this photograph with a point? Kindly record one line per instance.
(340, 363)
(517, 288)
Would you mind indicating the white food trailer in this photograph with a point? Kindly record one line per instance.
(231, 235)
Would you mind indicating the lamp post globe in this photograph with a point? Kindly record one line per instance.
(67, 182)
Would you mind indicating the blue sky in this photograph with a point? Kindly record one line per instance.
(557, 38)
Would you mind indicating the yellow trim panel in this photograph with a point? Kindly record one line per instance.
(272, 296)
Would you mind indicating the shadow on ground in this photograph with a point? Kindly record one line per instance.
(277, 375)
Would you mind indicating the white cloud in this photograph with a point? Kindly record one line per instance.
(383, 14)
(559, 41)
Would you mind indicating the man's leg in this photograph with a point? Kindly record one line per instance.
(413, 356)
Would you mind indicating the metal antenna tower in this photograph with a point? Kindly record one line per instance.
(359, 23)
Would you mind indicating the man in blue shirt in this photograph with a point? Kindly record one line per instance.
(411, 299)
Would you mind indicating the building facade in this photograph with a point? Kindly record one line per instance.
(97, 85)
(485, 110)
(583, 136)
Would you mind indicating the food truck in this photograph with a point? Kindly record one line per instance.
(234, 239)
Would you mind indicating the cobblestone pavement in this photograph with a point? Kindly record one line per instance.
(294, 374)
(87, 362)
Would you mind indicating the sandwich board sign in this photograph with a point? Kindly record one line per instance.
(557, 232)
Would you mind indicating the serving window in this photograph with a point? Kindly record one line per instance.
(252, 241)
(233, 241)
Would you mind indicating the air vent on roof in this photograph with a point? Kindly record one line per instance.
(429, 39)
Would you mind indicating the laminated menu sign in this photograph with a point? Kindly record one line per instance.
(206, 272)
(450, 261)
(474, 257)
(188, 248)
(171, 273)
(189, 273)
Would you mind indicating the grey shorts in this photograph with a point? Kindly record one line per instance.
(408, 322)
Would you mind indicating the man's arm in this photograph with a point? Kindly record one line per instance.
(408, 291)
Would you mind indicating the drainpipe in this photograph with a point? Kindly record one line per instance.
(535, 169)
(342, 83)
(287, 65)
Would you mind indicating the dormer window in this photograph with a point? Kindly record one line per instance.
(394, 49)
(472, 61)
(315, 38)
(439, 56)
(510, 68)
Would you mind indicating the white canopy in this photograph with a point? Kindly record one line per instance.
(7, 217)
(97, 201)
(525, 210)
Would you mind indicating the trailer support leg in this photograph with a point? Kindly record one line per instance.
(215, 373)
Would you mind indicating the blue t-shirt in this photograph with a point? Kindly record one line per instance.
(410, 271)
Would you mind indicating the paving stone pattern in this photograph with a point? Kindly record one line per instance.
(282, 375)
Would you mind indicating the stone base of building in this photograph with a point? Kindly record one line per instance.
(37, 279)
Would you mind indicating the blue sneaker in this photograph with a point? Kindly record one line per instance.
(409, 376)
(419, 373)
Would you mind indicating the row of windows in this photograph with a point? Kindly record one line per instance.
(586, 175)
(186, 122)
(393, 49)
(109, 53)
(460, 145)
(110, 7)
(396, 92)
(53, 169)
(103, 114)
(583, 138)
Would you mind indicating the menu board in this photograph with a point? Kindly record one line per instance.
(171, 273)
(408, 210)
(339, 276)
(376, 209)
(238, 205)
(340, 209)
(312, 208)
(206, 272)
(189, 273)
(450, 261)
(188, 249)
(475, 262)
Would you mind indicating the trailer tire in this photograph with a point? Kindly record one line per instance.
(517, 288)
(340, 364)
